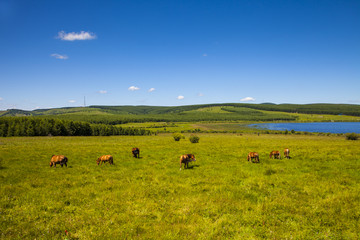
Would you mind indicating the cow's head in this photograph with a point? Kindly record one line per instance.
(191, 157)
(98, 161)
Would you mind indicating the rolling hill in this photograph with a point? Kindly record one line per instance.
(188, 113)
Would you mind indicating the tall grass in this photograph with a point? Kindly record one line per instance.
(313, 195)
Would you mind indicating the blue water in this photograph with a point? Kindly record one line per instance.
(325, 127)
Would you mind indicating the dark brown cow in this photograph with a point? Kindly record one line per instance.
(275, 155)
(287, 153)
(104, 159)
(253, 155)
(136, 152)
(58, 159)
(185, 159)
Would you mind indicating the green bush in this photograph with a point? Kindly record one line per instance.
(194, 139)
(352, 136)
(178, 136)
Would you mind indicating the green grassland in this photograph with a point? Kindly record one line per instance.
(313, 195)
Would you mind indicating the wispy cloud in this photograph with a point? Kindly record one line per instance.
(180, 97)
(72, 36)
(133, 88)
(205, 55)
(1, 99)
(151, 90)
(58, 56)
(200, 94)
(247, 99)
(71, 101)
(102, 92)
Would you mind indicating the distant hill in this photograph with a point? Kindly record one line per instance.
(188, 113)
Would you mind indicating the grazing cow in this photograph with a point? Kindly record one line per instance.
(136, 152)
(253, 155)
(58, 159)
(104, 159)
(287, 153)
(185, 159)
(275, 155)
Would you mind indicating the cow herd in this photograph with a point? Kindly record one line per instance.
(184, 159)
(62, 160)
(254, 156)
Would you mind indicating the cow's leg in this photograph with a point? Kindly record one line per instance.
(65, 164)
(61, 164)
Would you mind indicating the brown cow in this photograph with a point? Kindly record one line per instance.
(136, 152)
(287, 153)
(275, 155)
(253, 155)
(105, 158)
(58, 159)
(185, 159)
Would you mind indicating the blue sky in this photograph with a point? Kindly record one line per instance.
(168, 53)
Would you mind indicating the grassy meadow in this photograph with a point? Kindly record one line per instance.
(313, 195)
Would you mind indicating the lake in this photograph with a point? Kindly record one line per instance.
(326, 127)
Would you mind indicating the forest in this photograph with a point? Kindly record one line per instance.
(31, 126)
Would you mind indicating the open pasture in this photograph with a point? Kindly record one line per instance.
(313, 195)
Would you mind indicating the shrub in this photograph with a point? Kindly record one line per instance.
(194, 139)
(352, 136)
(178, 136)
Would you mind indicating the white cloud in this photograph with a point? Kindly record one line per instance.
(247, 99)
(200, 94)
(151, 90)
(1, 99)
(102, 92)
(204, 55)
(76, 36)
(180, 97)
(58, 56)
(133, 88)
(71, 101)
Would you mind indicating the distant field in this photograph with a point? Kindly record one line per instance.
(199, 113)
(240, 126)
(313, 195)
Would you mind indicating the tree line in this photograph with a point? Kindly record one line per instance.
(32, 126)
